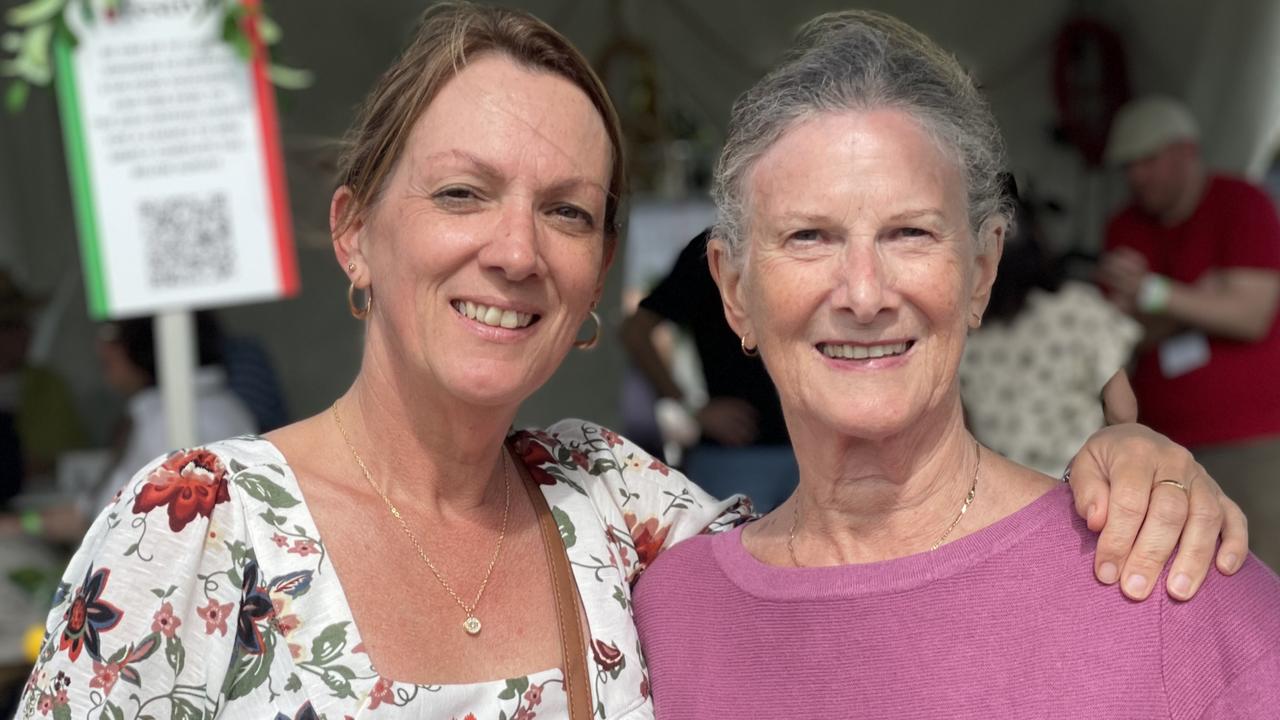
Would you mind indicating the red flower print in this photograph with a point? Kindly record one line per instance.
(660, 467)
(381, 693)
(534, 695)
(304, 548)
(280, 540)
(534, 455)
(88, 616)
(215, 616)
(191, 483)
(644, 687)
(45, 704)
(581, 459)
(164, 622)
(607, 656)
(523, 714)
(648, 536)
(610, 437)
(105, 676)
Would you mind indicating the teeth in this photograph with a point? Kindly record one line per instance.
(495, 317)
(863, 352)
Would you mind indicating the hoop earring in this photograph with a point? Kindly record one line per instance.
(595, 336)
(358, 312)
(749, 352)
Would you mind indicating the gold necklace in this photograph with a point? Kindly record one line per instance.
(973, 489)
(472, 623)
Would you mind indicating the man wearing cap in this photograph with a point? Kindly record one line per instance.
(1195, 258)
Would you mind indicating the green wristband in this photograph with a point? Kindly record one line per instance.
(31, 522)
(1153, 296)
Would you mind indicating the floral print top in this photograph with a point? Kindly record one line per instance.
(204, 590)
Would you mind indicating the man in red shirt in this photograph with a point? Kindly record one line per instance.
(1196, 258)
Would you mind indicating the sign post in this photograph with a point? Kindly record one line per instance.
(173, 149)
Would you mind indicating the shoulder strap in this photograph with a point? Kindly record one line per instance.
(573, 647)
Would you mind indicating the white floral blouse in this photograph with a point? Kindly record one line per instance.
(204, 590)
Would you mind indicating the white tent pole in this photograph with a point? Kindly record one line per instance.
(175, 369)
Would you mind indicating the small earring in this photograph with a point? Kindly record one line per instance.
(351, 267)
(749, 352)
(358, 312)
(595, 336)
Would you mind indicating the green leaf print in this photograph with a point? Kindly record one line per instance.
(176, 654)
(184, 709)
(515, 688)
(293, 684)
(62, 712)
(567, 532)
(248, 672)
(236, 466)
(340, 685)
(329, 644)
(111, 712)
(264, 489)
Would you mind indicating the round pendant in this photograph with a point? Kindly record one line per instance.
(471, 625)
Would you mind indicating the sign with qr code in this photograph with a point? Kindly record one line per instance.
(173, 148)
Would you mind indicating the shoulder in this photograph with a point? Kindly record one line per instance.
(1238, 189)
(1228, 628)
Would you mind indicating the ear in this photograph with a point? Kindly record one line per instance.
(728, 276)
(986, 263)
(347, 240)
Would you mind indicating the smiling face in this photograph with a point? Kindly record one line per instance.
(486, 248)
(860, 277)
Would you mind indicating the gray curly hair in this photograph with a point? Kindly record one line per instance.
(863, 60)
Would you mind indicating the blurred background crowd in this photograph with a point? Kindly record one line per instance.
(1147, 238)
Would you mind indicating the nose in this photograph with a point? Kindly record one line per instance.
(863, 284)
(513, 248)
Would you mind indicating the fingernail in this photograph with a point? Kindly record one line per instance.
(1135, 585)
(1181, 585)
(1232, 561)
(1108, 573)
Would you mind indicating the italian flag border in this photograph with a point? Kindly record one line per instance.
(97, 287)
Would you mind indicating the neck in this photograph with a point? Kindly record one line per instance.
(442, 454)
(871, 500)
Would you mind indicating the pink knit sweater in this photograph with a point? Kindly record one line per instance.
(1005, 623)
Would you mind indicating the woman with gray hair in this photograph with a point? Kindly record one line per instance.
(913, 573)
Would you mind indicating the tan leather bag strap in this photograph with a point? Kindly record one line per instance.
(573, 647)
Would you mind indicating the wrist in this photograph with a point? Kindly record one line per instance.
(1153, 294)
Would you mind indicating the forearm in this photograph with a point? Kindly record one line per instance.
(637, 337)
(1218, 312)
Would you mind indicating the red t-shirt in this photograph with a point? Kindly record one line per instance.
(1236, 396)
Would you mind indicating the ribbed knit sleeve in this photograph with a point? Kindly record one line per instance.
(1220, 651)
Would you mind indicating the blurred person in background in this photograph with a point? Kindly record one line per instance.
(38, 419)
(743, 445)
(126, 351)
(1195, 258)
(1035, 366)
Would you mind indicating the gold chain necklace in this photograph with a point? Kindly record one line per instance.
(472, 623)
(973, 489)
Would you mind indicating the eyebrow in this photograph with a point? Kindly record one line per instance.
(809, 218)
(490, 171)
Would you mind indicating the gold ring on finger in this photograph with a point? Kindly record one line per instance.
(1174, 483)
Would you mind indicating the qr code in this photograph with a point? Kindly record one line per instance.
(188, 239)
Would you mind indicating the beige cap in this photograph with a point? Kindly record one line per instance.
(1146, 125)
